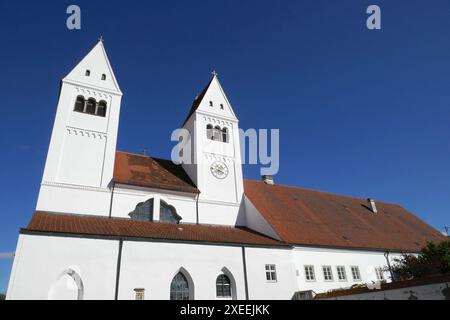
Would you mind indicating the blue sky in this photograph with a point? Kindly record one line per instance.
(362, 113)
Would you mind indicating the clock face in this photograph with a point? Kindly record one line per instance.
(219, 170)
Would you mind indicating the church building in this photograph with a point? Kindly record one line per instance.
(111, 224)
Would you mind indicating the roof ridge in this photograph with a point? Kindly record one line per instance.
(322, 192)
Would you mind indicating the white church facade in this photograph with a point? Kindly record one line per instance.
(115, 225)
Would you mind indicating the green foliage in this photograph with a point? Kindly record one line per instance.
(433, 259)
(2, 296)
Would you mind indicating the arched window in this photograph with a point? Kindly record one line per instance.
(101, 109)
(68, 286)
(223, 286)
(91, 106)
(179, 288)
(225, 137)
(103, 76)
(87, 73)
(209, 132)
(167, 213)
(211, 104)
(79, 104)
(143, 211)
(217, 134)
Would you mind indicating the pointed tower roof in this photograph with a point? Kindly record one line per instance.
(95, 70)
(213, 88)
(198, 99)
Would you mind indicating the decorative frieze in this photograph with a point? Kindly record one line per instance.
(215, 121)
(217, 157)
(93, 93)
(86, 133)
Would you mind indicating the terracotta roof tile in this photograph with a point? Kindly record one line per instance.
(150, 172)
(307, 217)
(123, 227)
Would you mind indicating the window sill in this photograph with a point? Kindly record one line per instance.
(89, 114)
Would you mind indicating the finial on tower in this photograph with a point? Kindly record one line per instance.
(100, 38)
(214, 73)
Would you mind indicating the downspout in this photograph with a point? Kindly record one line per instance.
(112, 196)
(386, 255)
(244, 262)
(196, 204)
(119, 262)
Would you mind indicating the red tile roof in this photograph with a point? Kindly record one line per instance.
(297, 215)
(150, 172)
(124, 227)
(306, 217)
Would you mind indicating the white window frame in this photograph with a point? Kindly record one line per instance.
(380, 273)
(352, 268)
(330, 270)
(344, 273)
(309, 272)
(271, 273)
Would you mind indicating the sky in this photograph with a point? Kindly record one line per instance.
(360, 112)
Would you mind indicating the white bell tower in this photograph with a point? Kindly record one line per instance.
(216, 166)
(80, 159)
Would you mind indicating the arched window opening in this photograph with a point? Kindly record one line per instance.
(217, 134)
(221, 106)
(211, 104)
(68, 286)
(101, 109)
(168, 213)
(91, 106)
(79, 104)
(223, 286)
(103, 76)
(225, 137)
(209, 132)
(179, 288)
(87, 73)
(143, 211)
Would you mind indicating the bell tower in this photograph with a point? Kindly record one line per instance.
(216, 165)
(80, 159)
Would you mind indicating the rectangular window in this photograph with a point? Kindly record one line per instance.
(355, 273)
(271, 273)
(342, 276)
(380, 273)
(309, 273)
(327, 273)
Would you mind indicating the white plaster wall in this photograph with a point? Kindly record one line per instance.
(153, 265)
(40, 260)
(218, 213)
(191, 167)
(367, 261)
(259, 288)
(64, 198)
